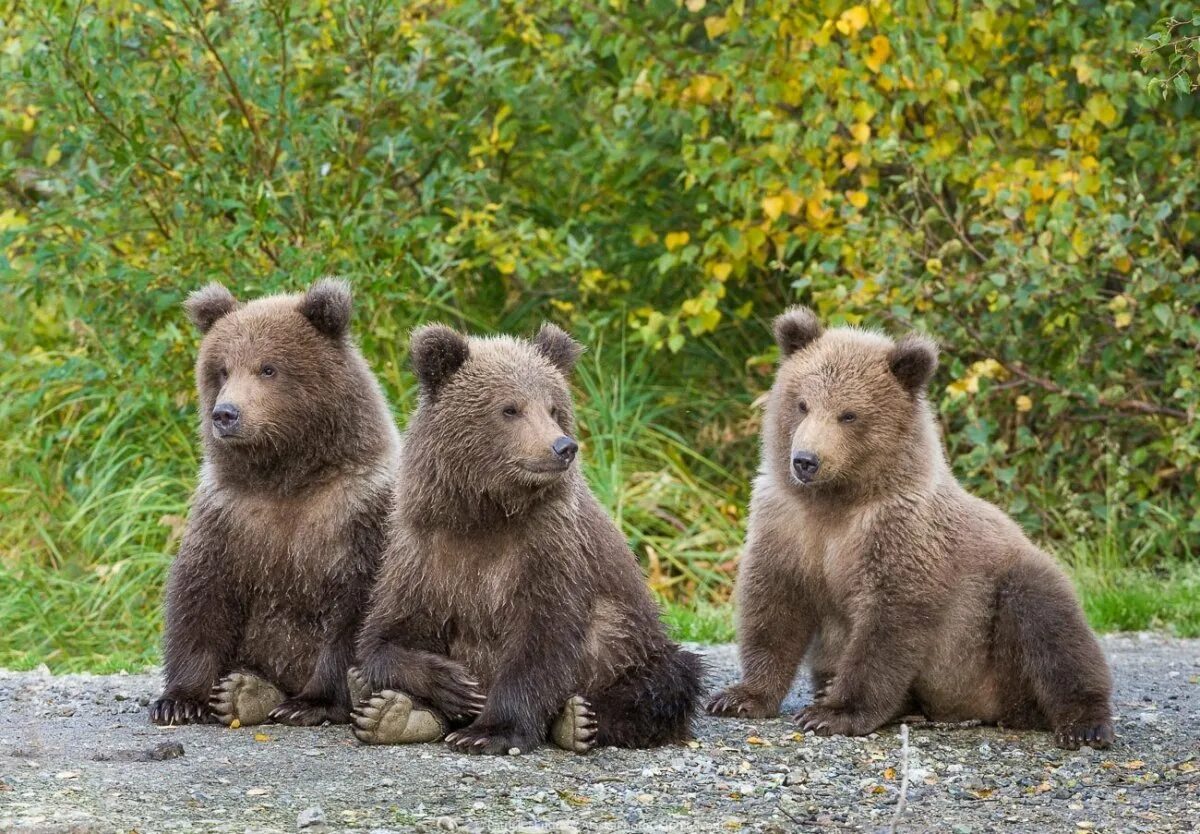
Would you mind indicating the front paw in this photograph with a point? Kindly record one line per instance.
(308, 712)
(490, 740)
(1076, 734)
(169, 711)
(832, 721)
(738, 702)
(453, 692)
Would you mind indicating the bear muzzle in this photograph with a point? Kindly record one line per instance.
(805, 466)
(226, 419)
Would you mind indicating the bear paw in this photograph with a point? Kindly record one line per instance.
(493, 741)
(169, 711)
(1093, 733)
(831, 721)
(737, 702)
(356, 683)
(244, 698)
(391, 717)
(309, 712)
(575, 728)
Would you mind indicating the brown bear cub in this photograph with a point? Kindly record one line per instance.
(286, 527)
(866, 554)
(509, 607)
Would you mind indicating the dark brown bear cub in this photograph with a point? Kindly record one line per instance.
(509, 607)
(866, 554)
(286, 526)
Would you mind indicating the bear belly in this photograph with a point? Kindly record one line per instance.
(279, 646)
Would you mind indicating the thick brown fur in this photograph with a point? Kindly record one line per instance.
(506, 589)
(903, 590)
(285, 531)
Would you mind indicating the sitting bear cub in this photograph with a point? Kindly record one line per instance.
(286, 526)
(905, 592)
(509, 607)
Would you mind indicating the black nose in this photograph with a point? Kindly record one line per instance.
(565, 448)
(805, 465)
(226, 417)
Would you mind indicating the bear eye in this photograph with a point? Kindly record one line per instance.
(222, 375)
(268, 370)
(803, 406)
(554, 413)
(847, 417)
(511, 411)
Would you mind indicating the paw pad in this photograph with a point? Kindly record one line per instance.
(575, 728)
(391, 717)
(241, 699)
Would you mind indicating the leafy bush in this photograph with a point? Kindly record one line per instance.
(660, 177)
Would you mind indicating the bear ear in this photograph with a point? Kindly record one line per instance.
(913, 361)
(436, 352)
(796, 328)
(328, 304)
(208, 304)
(556, 345)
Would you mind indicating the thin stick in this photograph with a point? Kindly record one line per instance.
(901, 803)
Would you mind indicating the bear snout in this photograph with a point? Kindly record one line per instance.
(564, 449)
(226, 419)
(805, 466)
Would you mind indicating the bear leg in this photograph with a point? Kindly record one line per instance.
(1042, 638)
(652, 704)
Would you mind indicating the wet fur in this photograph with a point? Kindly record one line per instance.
(903, 590)
(502, 595)
(285, 531)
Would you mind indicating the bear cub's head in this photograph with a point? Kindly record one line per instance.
(498, 409)
(847, 410)
(276, 374)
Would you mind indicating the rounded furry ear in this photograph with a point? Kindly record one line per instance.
(436, 352)
(913, 361)
(328, 304)
(555, 344)
(796, 328)
(208, 304)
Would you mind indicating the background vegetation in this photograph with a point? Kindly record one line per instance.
(660, 177)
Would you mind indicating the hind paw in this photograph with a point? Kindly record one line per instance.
(575, 728)
(356, 683)
(494, 741)
(830, 721)
(391, 717)
(737, 702)
(1072, 736)
(244, 698)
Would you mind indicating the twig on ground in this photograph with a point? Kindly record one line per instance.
(902, 802)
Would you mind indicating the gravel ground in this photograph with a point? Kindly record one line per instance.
(77, 754)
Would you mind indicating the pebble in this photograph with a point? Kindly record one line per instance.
(313, 817)
(446, 824)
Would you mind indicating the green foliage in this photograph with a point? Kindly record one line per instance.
(1171, 56)
(660, 177)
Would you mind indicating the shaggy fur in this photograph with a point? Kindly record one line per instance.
(286, 527)
(904, 591)
(506, 589)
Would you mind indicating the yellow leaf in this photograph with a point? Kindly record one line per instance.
(853, 20)
(850, 160)
(881, 49)
(695, 5)
(676, 240)
(890, 773)
(52, 156)
(1102, 110)
(772, 207)
(1024, 404)
(934, 266)
(261, 737)
(758, 741)
(715, 26)
(858, 199)
(235, 724)
(722, 270)
(861, 132)
(1134, 764)
(506, 266)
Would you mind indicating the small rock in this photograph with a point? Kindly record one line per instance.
(796, 776)
(446, 824)
(312, 817)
